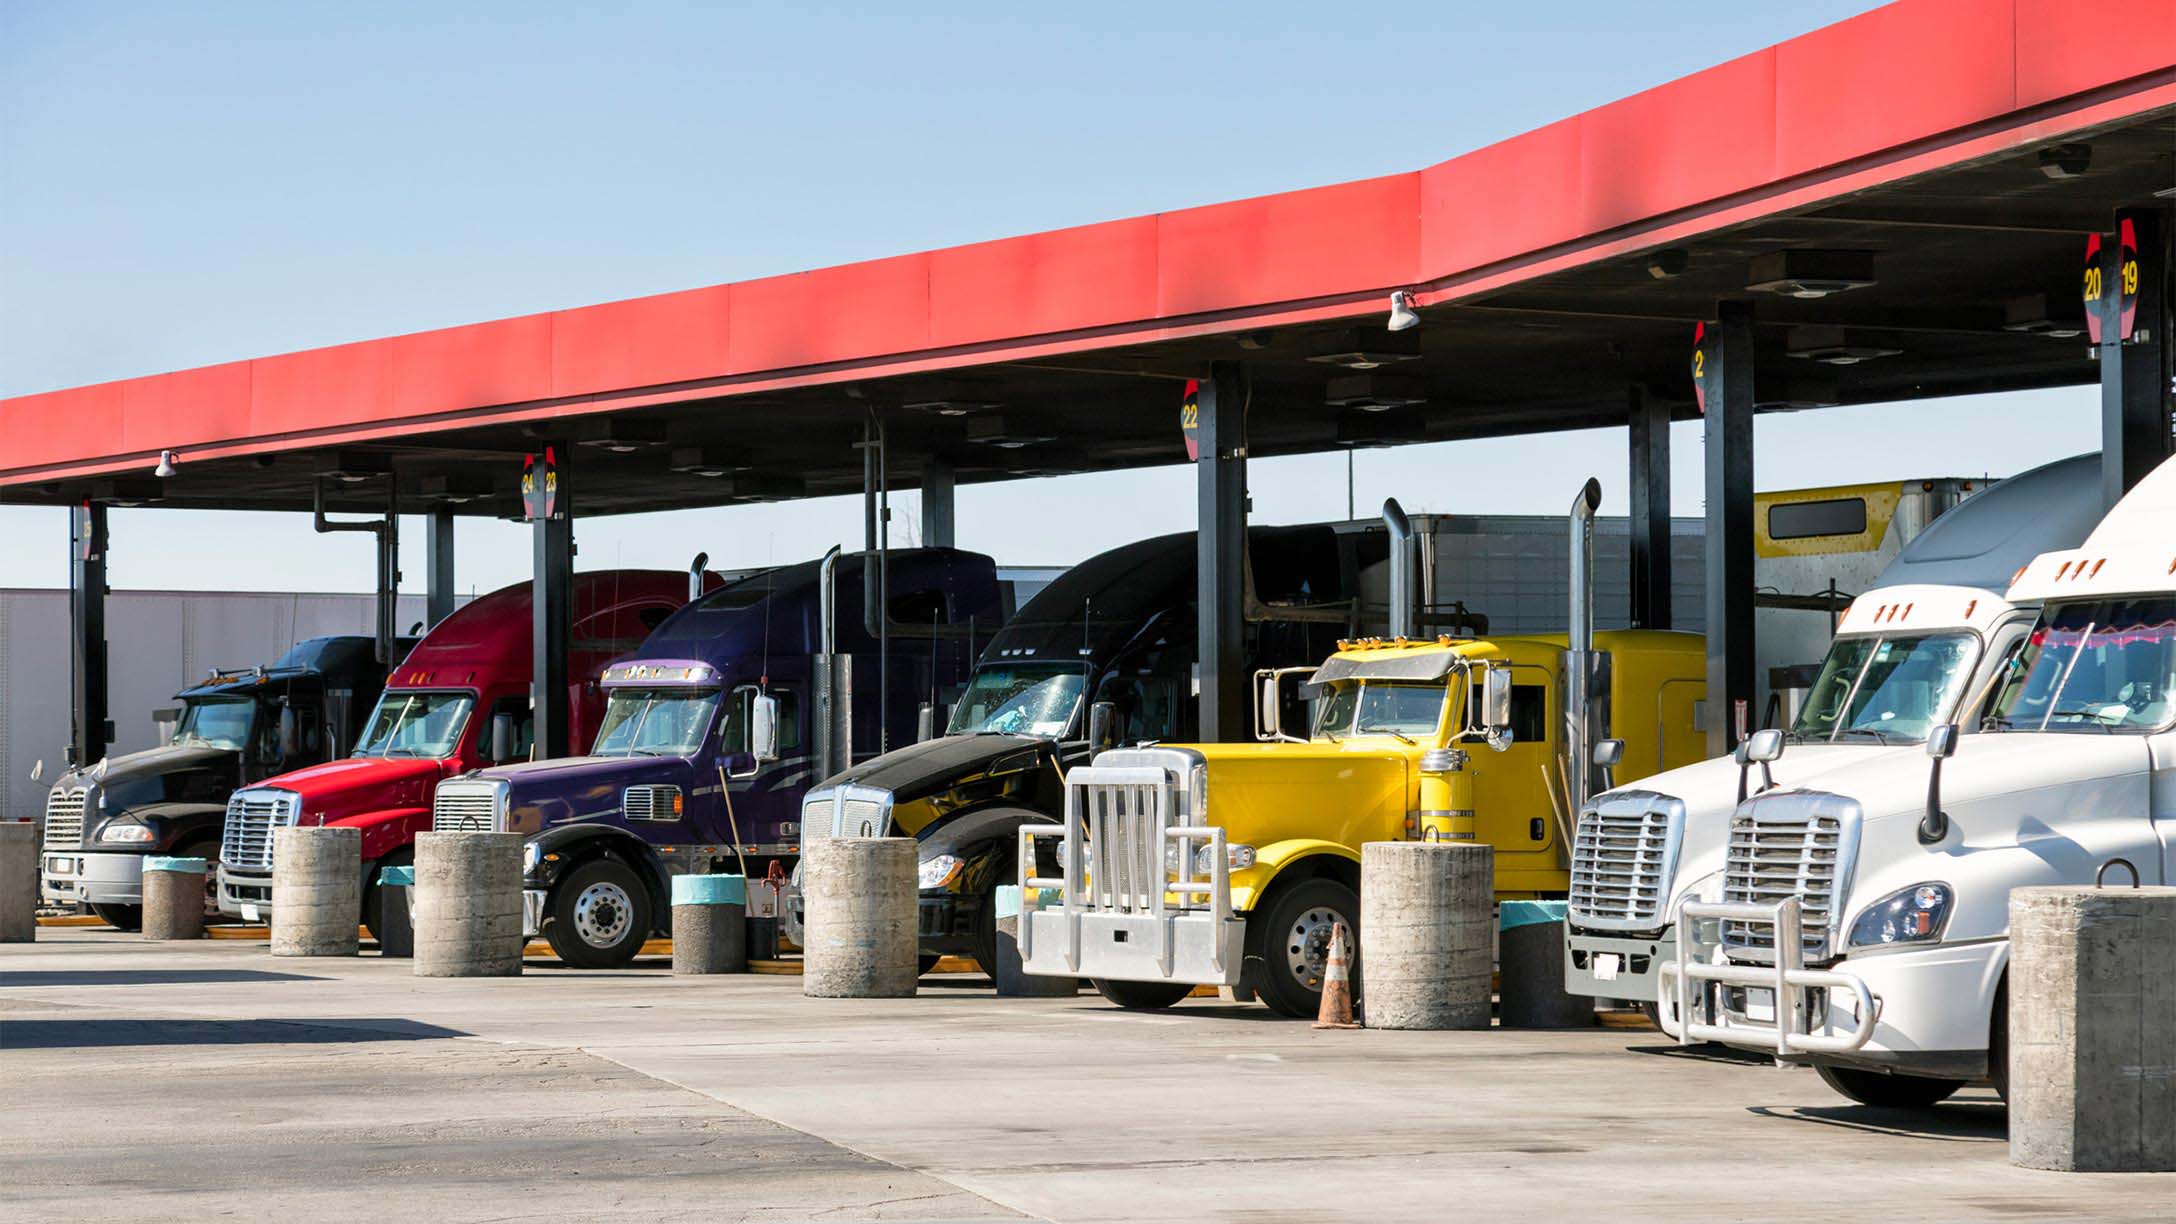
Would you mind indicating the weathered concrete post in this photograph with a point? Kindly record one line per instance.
(317, 891)
(1426, 926)
(860, 894)
(174, 898)
(709, 924)
(18, 881)
(1011, 983)
(2093, 1029)
(1530, 956)
(467, 905)
(396, 917)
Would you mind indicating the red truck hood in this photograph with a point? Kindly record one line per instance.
(338, 789)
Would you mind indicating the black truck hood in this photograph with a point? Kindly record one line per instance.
(114, 773)
(937, 778)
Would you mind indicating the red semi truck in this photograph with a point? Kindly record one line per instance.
(458, 703)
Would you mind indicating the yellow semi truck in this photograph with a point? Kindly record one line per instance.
(1229, 864)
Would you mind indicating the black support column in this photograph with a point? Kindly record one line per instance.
(937, 516)
(1221, 482)
(438, 567)
(552, 608)
(1649, 422)
(90, 730)
(2135, 362)
(1726, 376)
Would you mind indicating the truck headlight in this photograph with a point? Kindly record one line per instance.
(1908, 915)
(939, 870)
(127, 834)
(1236, 857)
(532, 853)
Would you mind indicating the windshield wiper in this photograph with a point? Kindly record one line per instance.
(1382, 731)
(2085, 713)
(1881, 737)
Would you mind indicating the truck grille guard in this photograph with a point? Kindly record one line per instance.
(1130, 864)
(1689, 992)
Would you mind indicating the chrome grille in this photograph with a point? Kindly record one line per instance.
(650, 803)
(1623, 859)
(1796, 844)
(851, 811)
(251, 816)
(862, 818)
(64, 818)
(469, 806)
(817, 812)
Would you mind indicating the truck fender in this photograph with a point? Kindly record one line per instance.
(1293, 859)
(387, 830)
(574, 844)
(949, 835)
(176, 823)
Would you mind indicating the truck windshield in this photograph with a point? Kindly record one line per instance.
(1887, 687)
(1020, 699)
(655, 722)
(2100, 665)
(219, 722)
(1374, 707)
(416, 725)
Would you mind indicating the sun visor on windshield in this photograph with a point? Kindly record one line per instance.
(1434, 665)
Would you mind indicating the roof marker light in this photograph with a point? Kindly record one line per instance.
(2096, 567)
(1968, 608)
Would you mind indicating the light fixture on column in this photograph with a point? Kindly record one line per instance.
(166, 466)
(1402, 316)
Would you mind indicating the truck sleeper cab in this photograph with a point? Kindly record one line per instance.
(708, 734)
(1230, 864)
(103, 820)
(1898, 884)
(459, 699)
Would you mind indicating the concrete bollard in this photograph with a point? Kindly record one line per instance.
(18, 881)
(1427, 913)
(396, 916)
(1011, 983)
(317, 891)
(860, 895)
(709, 924)
(174, 898)
(2092, 1076)
(1530, 960)
(467, 905)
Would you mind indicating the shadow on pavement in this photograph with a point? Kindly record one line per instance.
(144, 977)
(1968, 1121)
(17, 1035)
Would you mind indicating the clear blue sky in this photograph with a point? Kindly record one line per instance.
(190, 183)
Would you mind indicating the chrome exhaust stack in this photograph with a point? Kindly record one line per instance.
(1586, 671)
(695, 575)
(1403, 622)
(834, 678)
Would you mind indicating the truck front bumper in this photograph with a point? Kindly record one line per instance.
(1607, 966)
(1184, 946)
(68, 877)
(244, 896)
(532, 912)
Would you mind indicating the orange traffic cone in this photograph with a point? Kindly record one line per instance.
(1336, 1010)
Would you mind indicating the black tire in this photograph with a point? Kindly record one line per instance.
(598, 915)
(1142, 996)
(1296, 925)
(1888, 1091)
(985, 949)
(120, 917)
(1998, 1041)
(208, 850)
(925, 962)
(374, 891)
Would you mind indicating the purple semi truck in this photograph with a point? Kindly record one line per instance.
(717, 725)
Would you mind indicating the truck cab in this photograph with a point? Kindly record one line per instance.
(1895, 986)
(238, 726)
(705, 743)
(459, 702)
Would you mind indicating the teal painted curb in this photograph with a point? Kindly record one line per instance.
(197, 865)
(397, 877)
(1526, 913)
(709, 890)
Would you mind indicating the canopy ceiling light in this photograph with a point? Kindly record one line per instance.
(1375, 392)
(354, 467)
(1667, 263)
(1379, 427)
(2066, 161)
(1829, 346)
(706, 461)
(1365, 348)
(995, 431)
(2036, 315)
(1402, 316)
(764, 486)
(952, 407)
(455, 488)
(1802, 273)
(620, 437)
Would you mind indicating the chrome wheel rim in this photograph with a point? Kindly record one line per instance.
(602, 914)
(1307, 945)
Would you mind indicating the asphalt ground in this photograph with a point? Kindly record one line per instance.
(144, 1081)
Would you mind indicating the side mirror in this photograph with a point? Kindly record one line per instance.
(763, 727)
(925, 723)
(1496, 699)
(1759, 748)
(1941, 745)
(37, 770)
(1102, 726)
(1268, 710)
(502, 738)
(1942, 742)
(290, 733)
(1607, 753)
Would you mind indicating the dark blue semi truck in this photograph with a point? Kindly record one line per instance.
(715, 728)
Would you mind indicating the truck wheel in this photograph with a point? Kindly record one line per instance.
(598, 915)
(1295, 945)
(208, 850)
(374, 892)
(1142, 996)
(1998, 1041)
(120, 917)
(1888, 1091)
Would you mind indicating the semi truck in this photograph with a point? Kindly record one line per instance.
(460, 701)
(1232, 864)
(1914, 651)
(1860, 922)
(710, 730)
(237, 727)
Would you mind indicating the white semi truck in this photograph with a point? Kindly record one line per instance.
(1918, 647)
(1861, 919)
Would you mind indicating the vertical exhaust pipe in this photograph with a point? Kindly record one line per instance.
(695, 575)
(1401, 570)
(1579, 658)
(831, 754)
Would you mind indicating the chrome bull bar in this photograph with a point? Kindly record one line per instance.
(1693, 1013)
(1116, 883)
